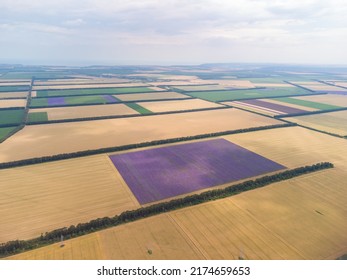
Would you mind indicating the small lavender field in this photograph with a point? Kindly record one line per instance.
(273, 106)
(56, 101)
(110, 99)
(166, 172)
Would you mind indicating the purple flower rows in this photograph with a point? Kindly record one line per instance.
(343, 92)
(273, 106)
(56, 101)
(165, 172)
(110, 98)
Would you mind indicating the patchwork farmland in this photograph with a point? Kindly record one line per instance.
(79, 146)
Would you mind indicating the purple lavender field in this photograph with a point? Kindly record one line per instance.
(56, 101)
(110, 98)
(165, 172)
(273, 106)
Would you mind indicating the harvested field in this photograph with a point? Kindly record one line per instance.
(14, 83)
(150, 96)
(54, 139)
(8, 103)
(333, 122)
(331, 99)
(306, 103)
(89, 86)
(246, 94)
(165, 172)
(160, 235)
(317, 86)
(14, 94)
(88, 91)
(63, 113)
(38, 198)
(83, 81)
(179, 105)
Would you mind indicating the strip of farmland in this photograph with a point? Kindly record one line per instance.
(14, 94)
(5, 131)
(272, 106)
(90, 85)
(160, 173)
(331, 99)
(316, 105)
(11, 117)
(53, 139)
(72, 100)
(12, 103)
(151, 96)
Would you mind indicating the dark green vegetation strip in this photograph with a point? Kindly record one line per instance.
(91, 91)
(13, 88)
(306, 103)
(247, 94)
(38, 102)
(134, 146)
(138, 108)
(76, 100)
(37, 117)
(5, 132)
(18, 246)
(11, 117)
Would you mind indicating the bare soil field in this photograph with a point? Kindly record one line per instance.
(8, 103)
(63, 113)
(149, 96)
(334, 122)
(179, 105)
(332, 99)
(38, 198)
(78, 136)
(14, 94)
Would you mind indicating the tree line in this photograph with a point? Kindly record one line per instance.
(17, 246)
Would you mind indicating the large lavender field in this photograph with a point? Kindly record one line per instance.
(273, 106)
(56, 101)
(161, 173)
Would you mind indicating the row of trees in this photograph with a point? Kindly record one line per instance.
(134, 146)
(17, 246)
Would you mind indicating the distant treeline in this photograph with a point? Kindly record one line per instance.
(134, 146)
(17, 246)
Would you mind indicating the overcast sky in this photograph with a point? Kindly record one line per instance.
(82, 32)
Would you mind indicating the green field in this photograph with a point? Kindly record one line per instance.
(91, 91)
(9, 117)
(139, 108)
(37, 117)
(70, 100)
(39, 102)
(5, 131)
(13, 88)
(247, 94)
(310, 104)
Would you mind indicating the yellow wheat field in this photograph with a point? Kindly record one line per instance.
(39, 198)
(333, 122)
(149, 96)
(179, 105)
(14, 94)
(332, 99)
(8, 103)
(63, 113)
(78, 136)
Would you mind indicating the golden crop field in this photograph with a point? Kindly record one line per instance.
(179, 105)
(301, 218)
(332, 99)
(150, 96)
(14, 94)
(333, 122)
(78, 136)
(39, 198)
(75, 112)
(8, 103)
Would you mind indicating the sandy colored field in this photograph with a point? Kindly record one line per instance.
(79, 81)
(256, 109)
(39, 198)
(317, 86)
(334, 122)
(201, 87)
(15, 94)
(2, 81)
(159, 234)
(302, 218)
(15, 84)
(76, 112)
(78, 136)
(332, 99)
(234, 83)
(272, 85)
(99, 85)
(8, 103)
(275, 101)
(166, 77)
(179, 83)
(178, 105)
(149, 96)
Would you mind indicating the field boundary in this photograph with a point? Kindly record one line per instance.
(18, 246)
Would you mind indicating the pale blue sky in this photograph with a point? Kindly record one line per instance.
(82, 32)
